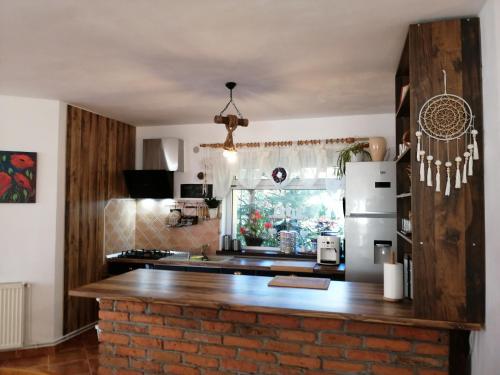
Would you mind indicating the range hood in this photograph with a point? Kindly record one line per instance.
(161, 157)
(155, 184)
(163, 153)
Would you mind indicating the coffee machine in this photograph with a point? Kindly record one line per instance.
(328, 249)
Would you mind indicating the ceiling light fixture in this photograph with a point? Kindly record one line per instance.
(231, 122)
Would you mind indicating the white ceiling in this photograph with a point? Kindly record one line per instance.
(165, 62)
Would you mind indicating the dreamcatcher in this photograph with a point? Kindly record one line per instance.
(446, 118)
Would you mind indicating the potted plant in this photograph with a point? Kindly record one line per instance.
(355, 152)
(213, 207)
(255, 229)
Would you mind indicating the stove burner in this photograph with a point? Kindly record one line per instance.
(145, 254)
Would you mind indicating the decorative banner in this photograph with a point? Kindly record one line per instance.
(17, 177)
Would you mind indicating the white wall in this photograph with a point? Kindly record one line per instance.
(32, 235)
(317, 128)
(485, 358)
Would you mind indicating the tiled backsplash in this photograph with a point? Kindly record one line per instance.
(119, 225)
(149, 229)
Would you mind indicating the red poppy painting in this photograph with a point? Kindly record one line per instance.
(17, 177)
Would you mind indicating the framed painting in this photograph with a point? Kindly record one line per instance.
(17, 177)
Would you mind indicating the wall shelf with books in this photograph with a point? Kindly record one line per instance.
(404, 156)
(403, 162)
(406, 237)
(403, 195)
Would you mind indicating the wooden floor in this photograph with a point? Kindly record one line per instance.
(77, 356)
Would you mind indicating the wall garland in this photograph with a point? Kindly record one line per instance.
(303, 142)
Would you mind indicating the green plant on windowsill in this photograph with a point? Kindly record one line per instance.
(213, 207)
(212, 202)
(346, 155)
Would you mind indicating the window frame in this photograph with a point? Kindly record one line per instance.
(267, 184)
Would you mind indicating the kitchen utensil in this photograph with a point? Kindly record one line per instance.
(300, 282)
(293, 266)
(226, 242)
(236, 245)
(173, 218)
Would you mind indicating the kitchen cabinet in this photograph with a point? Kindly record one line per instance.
(229, 271)
(202, 269)
(117, 268)
(342, 307)
(167, 268)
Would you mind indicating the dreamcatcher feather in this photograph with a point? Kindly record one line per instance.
(446, 118)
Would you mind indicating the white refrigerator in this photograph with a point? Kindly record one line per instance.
(370, 221)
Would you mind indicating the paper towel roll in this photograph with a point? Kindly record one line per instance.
(393, 281)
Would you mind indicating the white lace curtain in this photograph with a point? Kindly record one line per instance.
(307, 162)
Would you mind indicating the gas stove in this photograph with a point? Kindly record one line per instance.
(145, 254)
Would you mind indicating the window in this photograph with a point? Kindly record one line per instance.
(259, 215)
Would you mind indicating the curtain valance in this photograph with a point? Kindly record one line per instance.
(307, 162)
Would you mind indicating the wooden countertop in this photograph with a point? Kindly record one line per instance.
(290, 265)
(343, 300)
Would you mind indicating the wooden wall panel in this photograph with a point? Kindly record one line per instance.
(448, 233)
(474, 237)
(98, 149)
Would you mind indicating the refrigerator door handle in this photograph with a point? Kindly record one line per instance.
(382, 185)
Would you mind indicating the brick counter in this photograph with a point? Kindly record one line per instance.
(140, 338)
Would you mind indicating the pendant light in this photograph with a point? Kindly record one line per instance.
(231, 122)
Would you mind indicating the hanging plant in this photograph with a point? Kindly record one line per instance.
(346, 154)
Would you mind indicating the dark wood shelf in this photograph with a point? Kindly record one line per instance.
(403, 130)
(405, 237)
(402, 156)
(403, 195)
(404, 104)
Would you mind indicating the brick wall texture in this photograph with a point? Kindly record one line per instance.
(139, 338)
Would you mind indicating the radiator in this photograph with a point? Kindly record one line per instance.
(12, 314)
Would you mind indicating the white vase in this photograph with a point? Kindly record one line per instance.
(212, 213)
(357, 157)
